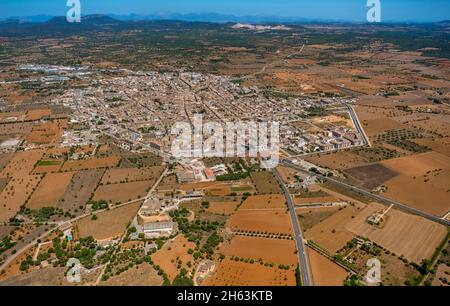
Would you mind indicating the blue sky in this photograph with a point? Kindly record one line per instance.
(351, 10)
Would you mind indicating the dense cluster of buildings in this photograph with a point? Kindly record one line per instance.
(139, 110)
(328, 140)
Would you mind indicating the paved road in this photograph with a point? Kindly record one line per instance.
(60, 223)
(357, 124)
(148, 196)
(377, 197)
(359, 128)
(302, 253)
(24, 248)
(155, 185)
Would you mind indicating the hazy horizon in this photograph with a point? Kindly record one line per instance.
(343, 10)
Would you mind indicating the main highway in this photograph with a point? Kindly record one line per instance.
(302, 252)
(369, 194)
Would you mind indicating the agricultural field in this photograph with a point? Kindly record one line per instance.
(403, 140)
(376, 127)
(50, 190)
(377, 153)
(141, 275)
(332, 234)
(265, 182)
(422, 182)
(15, 238)
(413, 237)
(4, 159)
(168, 184)
(272, 201)
(270, 221)
(139, 160)
(174, 256)
(439, 145)
(123, 192)
(262, 213)
(37, 114)
(80, 189)
(125, 175)
(44, 277)
(419, 164)
(371, 176)
(222, 207)
(277, 221)
(324, 271)
(278, 251)
(3, 182)
(420, 193)
(206, 186)
(243, 187)
(442, 277)
(5, 230)
(86, 120)
(222, 188)
(309, 217)
(20, 184)
(22, 163)
(377, 120)
(16, 129)
(48, 165)
(236, 273)
(108, 224)
(435, 124)
(305, 200)
(287, 174)
(91, 163)
(200, 211)
(16, 193)
(46, 133)
(340, 160)
(218, 190)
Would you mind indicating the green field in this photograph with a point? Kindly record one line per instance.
(48, 162)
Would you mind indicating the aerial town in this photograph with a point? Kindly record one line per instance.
(91, 193)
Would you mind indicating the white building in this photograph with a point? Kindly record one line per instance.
(158, 229)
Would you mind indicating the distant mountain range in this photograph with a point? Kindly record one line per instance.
(59, 20)
(214, 17)
(28, 19)
(208, 17)
(99, 19)
(195, 17)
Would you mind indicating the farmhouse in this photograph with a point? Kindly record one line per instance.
(193, 194)
(184, 176)
(159, 229)
(150, 207)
